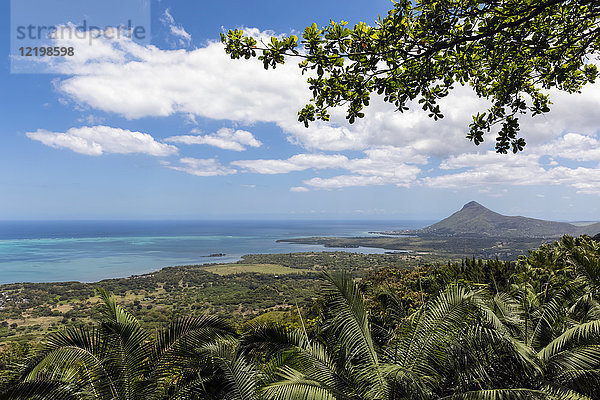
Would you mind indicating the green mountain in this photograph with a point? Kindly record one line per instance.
(476, 220)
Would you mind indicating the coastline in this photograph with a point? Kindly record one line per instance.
(85, 251)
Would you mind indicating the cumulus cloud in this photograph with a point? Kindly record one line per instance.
(585, 180)
(487, 169)
(574, 146)
(97, 140)
(491, 169)
(138, 81)
(299, 162)
(383, 165)
(299, 189)
(399, 175)
(201, 167)
(224, 138)
(384, 126)
(344, 181)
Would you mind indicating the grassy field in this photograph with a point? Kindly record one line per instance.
(235, 268)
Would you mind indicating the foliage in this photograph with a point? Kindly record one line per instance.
(11, 357)
(234, 291)
(117, 359)
(476, 330)
(509, 52)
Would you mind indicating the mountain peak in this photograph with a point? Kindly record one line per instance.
(475, 220)
(472, 204)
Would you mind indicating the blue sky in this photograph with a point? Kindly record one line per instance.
(174, 129)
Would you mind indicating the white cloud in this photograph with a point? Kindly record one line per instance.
(585, 180)
(91, 120)
(492, 192)
(490, 158)
(97, 140)
(574, 146)
(299, 162)
(395, 174)
(224, 138)
(322, 135)
(392, 163)
(180, 32)
(491, 169)
(382, 165)
(488, 169)
(382, 161)
(384, 126)
(138, 81)
(201, 167)
(183, 37)
(167, 17)
(299, 189)
(344, 181)
(570, 112)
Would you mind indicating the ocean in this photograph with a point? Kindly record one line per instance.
(88, 251)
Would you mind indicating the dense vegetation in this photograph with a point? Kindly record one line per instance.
(257, 284)
(436, 248)
(472, 330)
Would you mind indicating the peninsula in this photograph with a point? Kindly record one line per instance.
(474, 230)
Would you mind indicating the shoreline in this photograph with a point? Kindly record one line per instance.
(91, 251)
(232, 260)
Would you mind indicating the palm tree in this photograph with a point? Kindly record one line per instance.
(436, 351)
(118, 359)
(341, 362)
(463, 344)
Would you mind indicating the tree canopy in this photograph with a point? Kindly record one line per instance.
(510, 52)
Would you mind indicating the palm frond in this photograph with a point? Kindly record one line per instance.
(268, 340)
(423, 340)
(75, 366)
(241, 378)
(502, 394)
(408, 384)
(41, 390)
(113, 312)
(563, 393)
(351, 326)
(297, 386)
(582, 334)
(184, 335)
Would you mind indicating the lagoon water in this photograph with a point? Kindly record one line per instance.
(50, 251)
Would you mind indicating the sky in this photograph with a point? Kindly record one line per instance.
(168, 127)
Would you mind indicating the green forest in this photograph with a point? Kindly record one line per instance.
(475, 329)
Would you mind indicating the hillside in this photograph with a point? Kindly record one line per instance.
(240, 291)
(476, 220)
